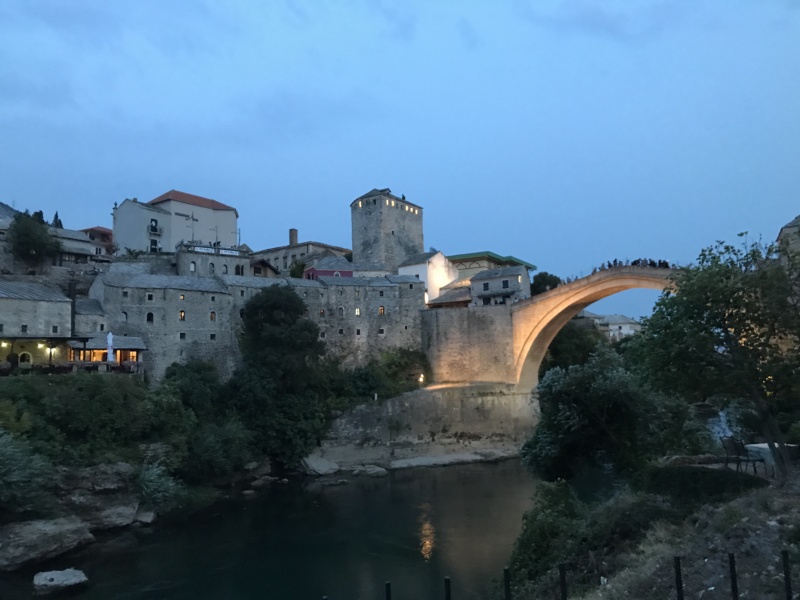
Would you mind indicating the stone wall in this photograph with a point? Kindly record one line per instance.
(386, 230)
(469, 344)
(432, 422)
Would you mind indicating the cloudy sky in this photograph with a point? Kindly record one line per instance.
(566, 133)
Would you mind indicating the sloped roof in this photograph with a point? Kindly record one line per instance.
(192, 200)
(100, 342)
(7, 212)
(419, 259)
(617, 320)
(456, 295)
(105, 230)
(508, 260)
(384, 192)
(18, 290)
(173, 282)
(502, 272)
(403, 279)
(88, 306)
(251, 282)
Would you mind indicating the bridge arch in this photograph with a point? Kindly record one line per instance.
(537, 320)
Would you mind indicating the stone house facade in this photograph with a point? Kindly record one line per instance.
(500, 286)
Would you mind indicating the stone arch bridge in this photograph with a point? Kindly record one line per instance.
(506, 343)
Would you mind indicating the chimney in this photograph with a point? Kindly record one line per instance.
(293, 237)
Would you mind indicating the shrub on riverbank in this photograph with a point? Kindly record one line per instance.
(25, 479)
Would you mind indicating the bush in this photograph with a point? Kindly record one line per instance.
(157, 488)
(25, 479)
(217, 450)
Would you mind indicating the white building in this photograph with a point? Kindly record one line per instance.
(172, 218)
(432, 268)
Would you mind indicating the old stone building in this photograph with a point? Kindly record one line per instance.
(386, 229)
(282, 258)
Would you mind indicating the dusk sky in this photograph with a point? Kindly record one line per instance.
(565, 133)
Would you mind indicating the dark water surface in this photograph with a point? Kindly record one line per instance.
(413, 527)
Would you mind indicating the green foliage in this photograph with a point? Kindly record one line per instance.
(560, 529)
(217, 450)
(572, 346)
(297, 270)
(544, 281)
(157, 488)
(396, 372)
(25, 479)
(56, 222)
(30, 241)
(197, 384)
(600, 412)
(691, 486)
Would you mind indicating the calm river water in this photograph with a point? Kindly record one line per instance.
(292, 542)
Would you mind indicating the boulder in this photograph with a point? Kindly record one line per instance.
(104, 478)
(316, 465)
(102, 511)
(31, 541)
(145, 517)
(374, 471)
(49, 582)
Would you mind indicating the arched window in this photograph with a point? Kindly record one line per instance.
(149, 317)
(181, 315)
(211, 268)
(192, 267)
(341, 311)
(124, 316)
(224, 269)
(212, 316)
(337, 274)
(381, 311)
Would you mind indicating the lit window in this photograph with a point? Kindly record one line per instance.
(182, 315)
(392, 202)
(381, 311)
(359, 204)
(321, 312)
(358, 312)
(192, 267)
(212, 316)
(182, 297)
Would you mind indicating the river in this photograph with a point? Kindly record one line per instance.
(295, 541)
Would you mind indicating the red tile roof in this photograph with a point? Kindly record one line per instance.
(99, 229)
(193, 200)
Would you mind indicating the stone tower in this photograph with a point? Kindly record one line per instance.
(386, 229)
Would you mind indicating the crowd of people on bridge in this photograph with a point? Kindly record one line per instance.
(638, 262)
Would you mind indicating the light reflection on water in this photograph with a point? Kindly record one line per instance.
(413, 527)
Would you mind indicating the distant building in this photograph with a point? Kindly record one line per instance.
(790, 234)
(500, 286)
(475, 262)
(173, 218)
(615, 327)
(102, 238)
(386, 230)
(283, 257)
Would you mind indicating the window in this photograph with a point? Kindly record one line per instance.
(149, 317)
(381, 311)
(182, 297)
(341, 332)
(405, 327)
(182, 335)
(486, 287)
(358, 332)
(213, 298)
(181, 315)
(55, 328)
(224, 269)
(321, 312)
(358, 293)
(381, 331)
(211, 268)
(505, 284)
(241, 313)
(257, 270)
(212, 316)
(341, 311)
(192, 267)
(149, 297)
(487, 301)
(1, 328)
(125, 316)
(213, 336)
(241, 293)
(102, 326)
(24, 329)
(358, 312)
(337, 274)
(322, 334)
(411, 286)
(124, 293)
(380, 293)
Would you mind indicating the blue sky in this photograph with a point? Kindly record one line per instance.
(566, 133)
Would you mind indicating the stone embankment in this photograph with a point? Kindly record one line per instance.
(434, 426)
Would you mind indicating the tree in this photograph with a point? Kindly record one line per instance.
(297, 269)
(543, 282)
(573, 345)
(601, 412)
(30, 240)
(57, 222)
(730, 330)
